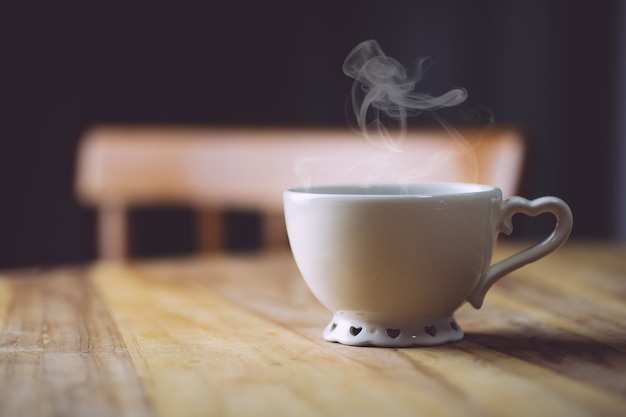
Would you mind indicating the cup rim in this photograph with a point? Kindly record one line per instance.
(388, 190)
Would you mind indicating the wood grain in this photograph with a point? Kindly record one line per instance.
(60, 353)
(232, 335)
(193, 348)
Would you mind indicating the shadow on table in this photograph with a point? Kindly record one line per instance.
(565, 353)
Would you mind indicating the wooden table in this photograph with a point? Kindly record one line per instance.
(241, 335)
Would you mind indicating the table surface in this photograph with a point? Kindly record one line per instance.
(242, 335)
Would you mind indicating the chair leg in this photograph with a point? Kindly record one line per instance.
(113, 234)
(210, 231)
(274, 232)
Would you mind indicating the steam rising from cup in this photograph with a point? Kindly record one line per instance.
(383, 85)
(384, 93)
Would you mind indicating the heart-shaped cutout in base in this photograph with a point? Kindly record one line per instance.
(419, 333)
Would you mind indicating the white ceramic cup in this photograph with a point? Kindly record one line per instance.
(393, 262)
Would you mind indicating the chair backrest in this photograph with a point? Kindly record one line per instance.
(121, 167)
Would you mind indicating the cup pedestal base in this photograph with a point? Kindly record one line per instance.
(419, 333)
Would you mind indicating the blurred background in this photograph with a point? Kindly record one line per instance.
(554, 69)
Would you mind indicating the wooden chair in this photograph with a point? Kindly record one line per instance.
(211, 169)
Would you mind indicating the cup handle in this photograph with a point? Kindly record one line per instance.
(559, 235)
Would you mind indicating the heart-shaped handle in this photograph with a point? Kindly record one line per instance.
(559, 235)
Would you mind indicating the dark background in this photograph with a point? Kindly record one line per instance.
(550, 68)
